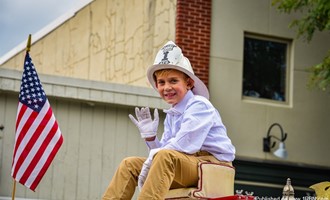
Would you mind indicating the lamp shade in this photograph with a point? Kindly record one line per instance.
(281, 151)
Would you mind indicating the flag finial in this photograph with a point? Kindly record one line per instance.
(28, 45)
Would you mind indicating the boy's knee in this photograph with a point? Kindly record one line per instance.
(166, 153)
(130, 162)
(127, 161)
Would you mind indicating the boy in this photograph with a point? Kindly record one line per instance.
(193, 132)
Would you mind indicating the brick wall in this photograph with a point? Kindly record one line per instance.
(193, 31)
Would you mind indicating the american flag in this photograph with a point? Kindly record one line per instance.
(38, 136)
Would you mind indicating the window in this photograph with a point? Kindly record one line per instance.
(265, 68)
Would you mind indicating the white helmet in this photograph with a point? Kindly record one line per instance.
(170, 57)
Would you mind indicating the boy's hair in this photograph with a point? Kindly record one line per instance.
(164, 72)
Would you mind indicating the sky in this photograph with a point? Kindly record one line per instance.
(19, 18)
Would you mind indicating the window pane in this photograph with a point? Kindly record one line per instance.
(264, 73)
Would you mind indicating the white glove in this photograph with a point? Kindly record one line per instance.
(145, 168)
(147, 126)
(144, 173)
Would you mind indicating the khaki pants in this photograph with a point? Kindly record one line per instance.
(169, 169)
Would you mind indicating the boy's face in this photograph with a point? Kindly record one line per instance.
(173, 86)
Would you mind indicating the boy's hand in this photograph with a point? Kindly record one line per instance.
(147, 126)
(146, 167)
(144, 173)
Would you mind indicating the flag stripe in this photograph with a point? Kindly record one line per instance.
(21, 111)
(23, 118)
(20, 114)
(28, 147)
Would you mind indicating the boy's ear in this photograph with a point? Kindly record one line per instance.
(190, 83)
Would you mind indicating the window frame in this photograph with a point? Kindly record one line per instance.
(288, 73)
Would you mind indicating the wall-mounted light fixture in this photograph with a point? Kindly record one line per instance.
(268, 145)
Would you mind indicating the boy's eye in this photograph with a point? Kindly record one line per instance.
(174, 81)
(160, 82)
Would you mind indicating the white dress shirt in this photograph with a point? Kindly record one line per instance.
(195, 125)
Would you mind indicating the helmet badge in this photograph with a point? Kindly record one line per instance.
(166, 49)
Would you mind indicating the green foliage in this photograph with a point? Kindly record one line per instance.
(315, 17)
(320, 74)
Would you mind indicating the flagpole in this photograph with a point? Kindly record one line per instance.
(28, 47)
(14, 190)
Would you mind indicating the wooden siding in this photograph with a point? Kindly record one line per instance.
(96, 138)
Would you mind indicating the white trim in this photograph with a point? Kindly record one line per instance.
(44, 31)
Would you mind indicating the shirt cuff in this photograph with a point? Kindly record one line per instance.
(153, 144)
